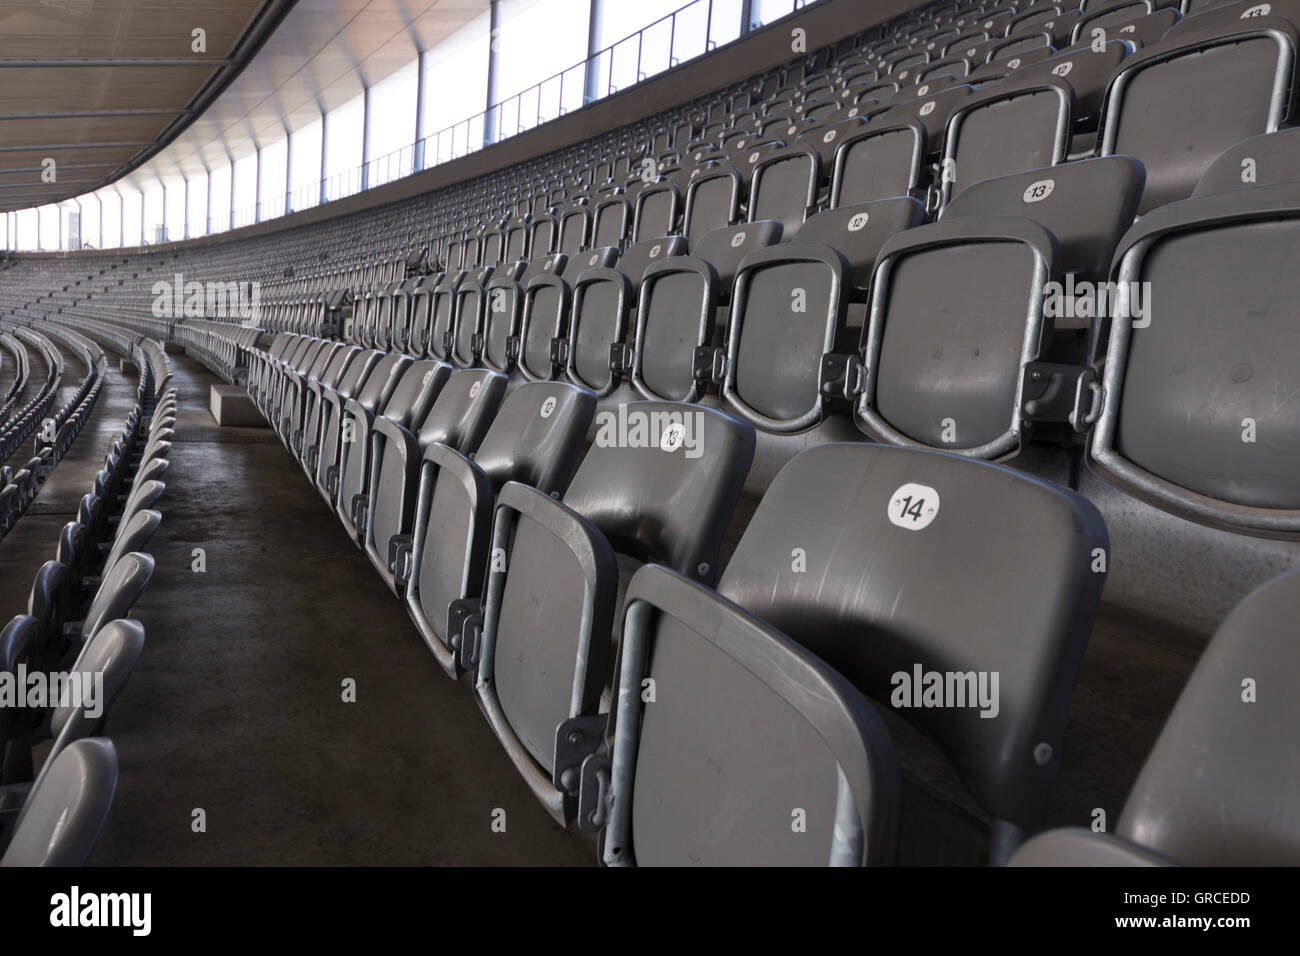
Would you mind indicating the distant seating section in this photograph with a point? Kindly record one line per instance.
(880, 293)
(77, 620)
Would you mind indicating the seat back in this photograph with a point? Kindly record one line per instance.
(463, 410)
(788, 310)
(859, 231)
(1215, 332)
(866, 523)
(726, 248)
(639, 256)
(957, 311)
(1087, 205)
(1011, 127)
(415, 391)
(1260, 160)
(119, 589)
(535, 438)
(1234, 722)
(1177, 105)
(545, 318)
(64, 813)
(784, 186)
(659, 484)
(878, 163)
(602, 299)
(695, 784)
(134, 534)
(381, 381)
(96, 679)
(675, 316)
(658, 209)
(712, 202)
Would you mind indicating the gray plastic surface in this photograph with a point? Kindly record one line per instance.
(1222, 784)
(862, 553)
(62, 818)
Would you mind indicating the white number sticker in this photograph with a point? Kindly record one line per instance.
(1037, 192)
(913, 506)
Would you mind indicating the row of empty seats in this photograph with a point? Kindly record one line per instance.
(729, 457)
(540, 587)
(77, 626)
(19, 487)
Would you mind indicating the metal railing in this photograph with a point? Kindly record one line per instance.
(675, 38)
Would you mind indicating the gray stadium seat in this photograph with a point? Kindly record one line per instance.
(881, 162)
(788, 311)
(535, 439)
(343, 379)
(658, 211)
(1219, 787)
(112, 653)
(931, 110)
(371, 393)
(602, 299)
(467, 324)
(133, 534)
(689, 782)
(409, 402)
(784, 187)
(1087, 68)
(545, 318)
(675, 317)
(119, 589)
(1087, 205)
(1261, 160)
(950, 331)
(726, 248)
(712, 202)
(859, 231)
(1011, 127)
(661, 486)
(458, 418)
(868, 522)
(1191, 418)
(431, 340)
(62, 817)
(1177, 105)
